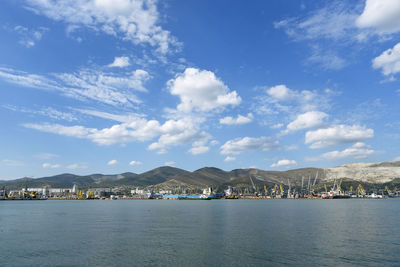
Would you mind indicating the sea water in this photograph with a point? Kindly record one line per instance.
(346, 232)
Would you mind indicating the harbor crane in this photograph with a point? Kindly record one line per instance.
(388, 190)
(360, 190)
(315, 180)
(254, 186)
(288, 192)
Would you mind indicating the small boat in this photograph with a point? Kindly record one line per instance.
(194, 198)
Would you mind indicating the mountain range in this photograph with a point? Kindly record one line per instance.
(168, 177)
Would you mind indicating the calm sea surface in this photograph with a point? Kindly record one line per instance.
(200, 233)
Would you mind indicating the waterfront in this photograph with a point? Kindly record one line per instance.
(201, 233)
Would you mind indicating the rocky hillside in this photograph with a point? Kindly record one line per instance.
(367, 172)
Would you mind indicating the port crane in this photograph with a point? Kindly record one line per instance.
(360, 190)
(265, 190)
(254, 186)
(315, 180)
(388, 190)
(281, 188)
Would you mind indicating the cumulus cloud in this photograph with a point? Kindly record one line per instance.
(112, 89)
(120, 62)
(112, 162)
(388, 61)
(170, 133)
(201, 90)
(170, 163)
(280, 99)
(311, 119)
(199, 150)
(284, 163)
(229, 159)
(51, 166)
(382, 15)
(237, 121)
(239, 145)
(136, 21)
(358, 150)
(135, 163)
(336, 135)
(396, 159)
(281, 92)
(179, 132)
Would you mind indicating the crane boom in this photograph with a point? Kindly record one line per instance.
(315, 180)
(252, 183)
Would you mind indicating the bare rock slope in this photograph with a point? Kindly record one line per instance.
(367, 172)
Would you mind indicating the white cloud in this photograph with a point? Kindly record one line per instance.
(120, 62)
(73, 131)
(291, 147)
(178, 132)
(75, 166)
(171, 133)
(239, 145)
(199, 150)
(284, 163)
(357, 151)
(388, 61)
(201, 90)
(94, 85)
(135, 163)
(136, 21)
(129, 117)
(10, 162)
(170, 163)
(112, 162)
(229, 159)
(281, 92)
(214, 142)
(311, 119)
(396, 159)
(277, 126)
(327, 59)
(51, 166)
(29, 37)
(382, 15)
(280, 98)
(237, 121)
(111, 89)
(47, 112)
(336, 135)
(335, 21)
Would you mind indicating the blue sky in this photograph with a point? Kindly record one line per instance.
(102, 86)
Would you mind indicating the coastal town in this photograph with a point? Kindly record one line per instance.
(280, 191)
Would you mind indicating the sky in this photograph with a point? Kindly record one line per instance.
(113, 86)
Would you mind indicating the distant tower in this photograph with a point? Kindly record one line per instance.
(45, 191)
(74, 189)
